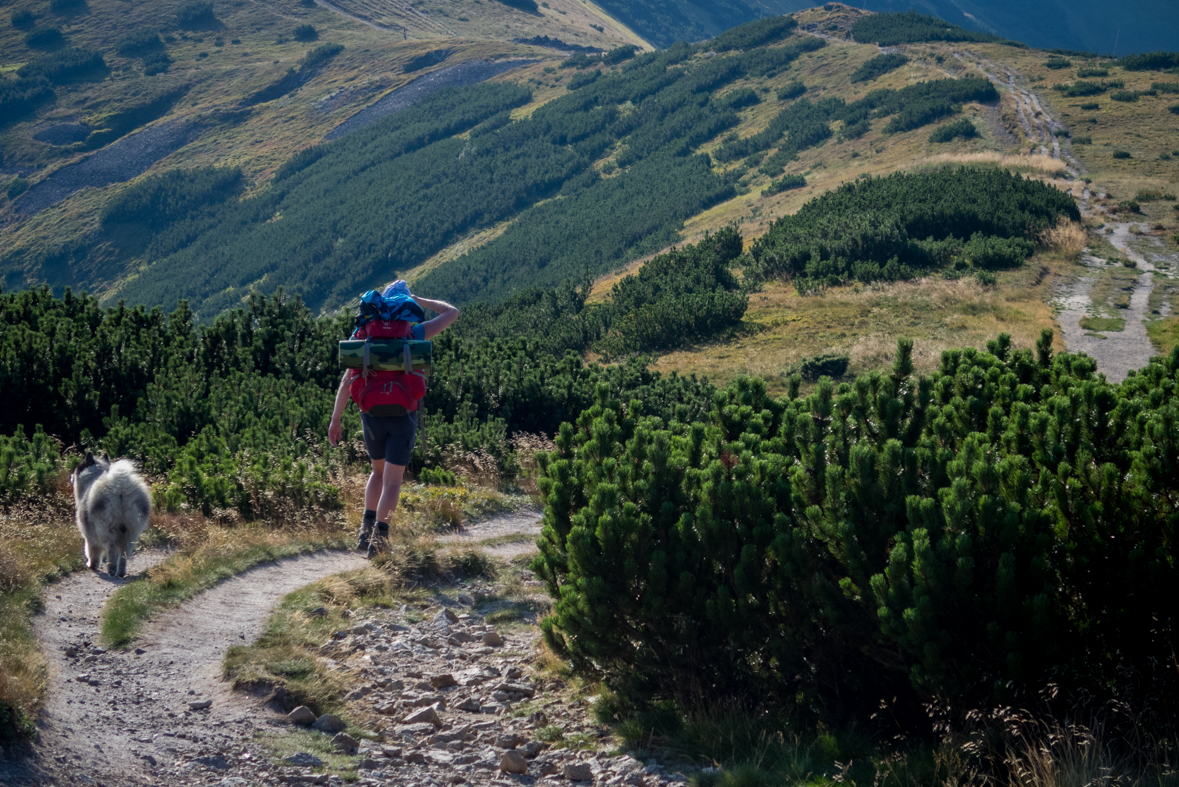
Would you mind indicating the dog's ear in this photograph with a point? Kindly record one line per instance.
(88, 458)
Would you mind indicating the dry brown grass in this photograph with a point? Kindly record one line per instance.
(38, 541)
(1042, 164)
(781, 327)
(1067, 238)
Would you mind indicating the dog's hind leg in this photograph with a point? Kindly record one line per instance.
(91, 560)
(120, 551)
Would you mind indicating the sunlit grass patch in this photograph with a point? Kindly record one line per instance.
(1164, 334)
(222, 553)
(864, 322)
(285, 744)
(1103, 324)
(38, 542)
(451, 506)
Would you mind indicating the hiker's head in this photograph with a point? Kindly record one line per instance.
(398, 287)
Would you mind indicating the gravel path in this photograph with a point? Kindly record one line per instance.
(1120, 351)
(113, 717)
(458, 75)
(120, 161)
(515, 532)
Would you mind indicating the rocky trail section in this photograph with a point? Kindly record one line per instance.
(452, 700)
(117, 717)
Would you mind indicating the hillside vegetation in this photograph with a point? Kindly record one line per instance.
(625, 132)
(902, 554)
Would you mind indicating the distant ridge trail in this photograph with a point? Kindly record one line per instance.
(459, 75)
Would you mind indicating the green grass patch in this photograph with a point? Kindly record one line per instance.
(302, 621)
(1164, 334)
(289, 742)
(1103, 324)
(184, 575)
(518, 611)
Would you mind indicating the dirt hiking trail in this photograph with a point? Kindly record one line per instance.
(111, 717)
(504, 537)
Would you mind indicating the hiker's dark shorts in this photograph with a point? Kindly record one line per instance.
(390, 437)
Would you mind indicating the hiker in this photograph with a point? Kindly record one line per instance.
(389, 429)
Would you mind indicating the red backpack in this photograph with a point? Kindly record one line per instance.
(388, 392)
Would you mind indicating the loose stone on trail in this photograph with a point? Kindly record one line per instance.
(302, 715)
(329, 723)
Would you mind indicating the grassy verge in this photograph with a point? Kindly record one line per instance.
(38, 543)
(222, 553)
(209, 554)
(1164, 334)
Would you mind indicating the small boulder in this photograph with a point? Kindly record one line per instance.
(533, 748)
(577, 772)
(470, 705)
(200, 704)
(346, 743)
(329, 723)
(492, 639)
(303, 759)
(443, 681)
(509, 740)
(513, 761)
(516, 688)
(302, 715)
(425, 715)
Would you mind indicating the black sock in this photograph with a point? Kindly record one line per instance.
(370, 515)
(383, 527)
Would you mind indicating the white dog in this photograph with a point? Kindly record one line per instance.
(113, 504)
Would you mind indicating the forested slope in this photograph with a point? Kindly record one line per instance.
(605, 171)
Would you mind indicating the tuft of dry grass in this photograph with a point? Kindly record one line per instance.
(1043, 164)
(38, 542)
(1067, 238)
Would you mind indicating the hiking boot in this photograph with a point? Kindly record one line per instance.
(365, 534)
(378, 541)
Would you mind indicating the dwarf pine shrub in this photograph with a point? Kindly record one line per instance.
(1005, 522)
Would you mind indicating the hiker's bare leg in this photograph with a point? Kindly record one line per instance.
(372, 490)
(390, 490)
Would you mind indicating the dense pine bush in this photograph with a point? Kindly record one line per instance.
(159, 200)
(1005, 523)
(959, 129)
(22, 95)
(63, 65)
(910, 28)
(1150, 61)
(878, 66)
(905, 225)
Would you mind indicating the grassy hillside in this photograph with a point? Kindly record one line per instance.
(227, 87)
(641, 153)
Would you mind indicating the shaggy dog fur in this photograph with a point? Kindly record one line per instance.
(113, 504)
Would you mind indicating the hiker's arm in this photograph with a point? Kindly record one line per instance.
(335, 429)
(446, 315)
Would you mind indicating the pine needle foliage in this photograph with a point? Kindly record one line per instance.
(1006, 522)
(902, 226)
